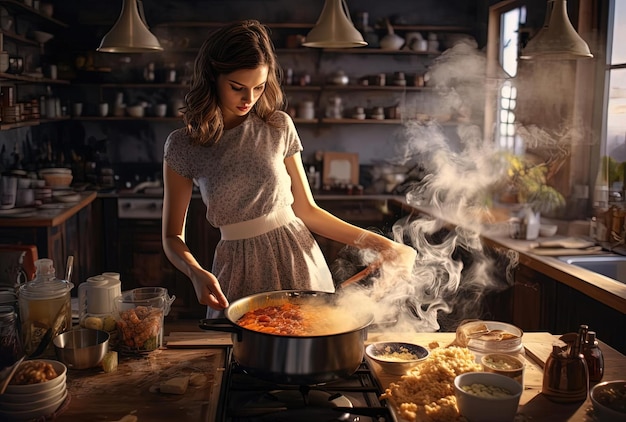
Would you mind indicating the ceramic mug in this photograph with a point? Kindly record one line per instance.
(160, 110)
(103, 109)
(77, 109)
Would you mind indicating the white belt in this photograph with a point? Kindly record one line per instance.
(258, 226)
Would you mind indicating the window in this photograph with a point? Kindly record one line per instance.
(615, 94)
(510, 23)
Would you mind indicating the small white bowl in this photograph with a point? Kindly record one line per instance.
(609, 401)
(548, 230)
(59, 368)
(33, 402)
(42, 37)
(487, 408)
(396, 357)
(503, 364)
(135, 111)
(34, 413)
(33, 397)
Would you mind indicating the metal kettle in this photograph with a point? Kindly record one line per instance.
(565, 375)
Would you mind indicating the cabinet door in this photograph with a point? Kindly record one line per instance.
(534, 297)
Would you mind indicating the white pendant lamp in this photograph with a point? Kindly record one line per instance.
(130, 34)
(334, 28)
(557, 40)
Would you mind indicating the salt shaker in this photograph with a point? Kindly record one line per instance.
(594, 357)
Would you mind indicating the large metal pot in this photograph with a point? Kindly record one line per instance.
(297, 360)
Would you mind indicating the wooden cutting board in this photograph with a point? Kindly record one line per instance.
(196, 340)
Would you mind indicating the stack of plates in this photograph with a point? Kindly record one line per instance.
(35, 401)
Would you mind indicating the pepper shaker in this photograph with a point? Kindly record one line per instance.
(594, 357)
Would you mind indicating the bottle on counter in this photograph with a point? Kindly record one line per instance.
(10, 342)
(96, 303)
(45, 308)
(594, 357)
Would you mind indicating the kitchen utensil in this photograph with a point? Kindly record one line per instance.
(487, 408)
(57, 327)
(306, 360)
(81, 348)
(7, 373)
(609, 401)
(565, 375)
(396, 357)
(391, 41)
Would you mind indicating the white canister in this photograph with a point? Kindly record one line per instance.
(306, 110)
(96, 295)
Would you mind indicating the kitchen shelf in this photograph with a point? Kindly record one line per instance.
(142, 85)
(28, 123)
(19, 7)
(10, 35)
(346, 120)
(31, 79)
(128, 118)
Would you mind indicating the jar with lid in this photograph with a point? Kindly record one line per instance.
(96, 303)
(10, 341)
(594, 357)
(45, 307)
(485, 337)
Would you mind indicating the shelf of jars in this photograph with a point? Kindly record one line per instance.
(12, 36)
(41, 16)
(31, 79)
(129, 118)
(31, 122)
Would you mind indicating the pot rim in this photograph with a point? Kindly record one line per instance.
(366, 317)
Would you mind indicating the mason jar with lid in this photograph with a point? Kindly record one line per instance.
(45, 308)
(10, 342)
(485, 337)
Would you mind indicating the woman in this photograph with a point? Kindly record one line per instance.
(244, 154)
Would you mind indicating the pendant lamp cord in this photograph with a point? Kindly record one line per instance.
(141, 13)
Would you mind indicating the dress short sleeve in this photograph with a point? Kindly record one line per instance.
(177, 153)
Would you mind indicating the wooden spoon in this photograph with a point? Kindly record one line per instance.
(7, 374)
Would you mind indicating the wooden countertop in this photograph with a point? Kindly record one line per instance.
(50, 217)
(98, 396)
(534, 406)
(603, 289)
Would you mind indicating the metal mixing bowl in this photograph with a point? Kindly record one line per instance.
(81, 348)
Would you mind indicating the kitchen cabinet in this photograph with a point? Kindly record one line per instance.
(533, 300)
(134, 249)
(68, 232)
(19, 20)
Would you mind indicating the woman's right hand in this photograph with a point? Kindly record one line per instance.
(208, 289)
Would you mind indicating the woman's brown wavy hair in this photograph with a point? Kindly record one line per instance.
(239, 45)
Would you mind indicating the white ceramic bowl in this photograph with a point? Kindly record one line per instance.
(34, 413)
(34, 397)
(42, 37)
(609, 401)
(503, 364)
(33, 402)
(61, 371)
(487, 408)
(396, 357)
(135, 111)
(548, 230)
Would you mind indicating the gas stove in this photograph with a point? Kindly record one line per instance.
(245, 398)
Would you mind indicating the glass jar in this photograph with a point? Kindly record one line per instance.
(140, 316)
(10, 342)
(45, 308)
(485, 337)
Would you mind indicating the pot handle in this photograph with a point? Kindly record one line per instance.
(220, 324)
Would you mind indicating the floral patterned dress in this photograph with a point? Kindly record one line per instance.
(243, 177)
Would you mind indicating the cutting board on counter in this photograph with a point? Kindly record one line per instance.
(195, 340)
(133, 388)
(565, 246)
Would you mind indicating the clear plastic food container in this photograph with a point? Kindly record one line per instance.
(140, 314)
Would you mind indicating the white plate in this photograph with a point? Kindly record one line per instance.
(17, 212)
(52, 206)
(66, 196)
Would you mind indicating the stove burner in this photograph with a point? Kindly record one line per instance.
(245, 398)
(290, 405)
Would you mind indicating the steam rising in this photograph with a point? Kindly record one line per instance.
(452, 272)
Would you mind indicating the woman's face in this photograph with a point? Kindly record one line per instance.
(239, 91)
